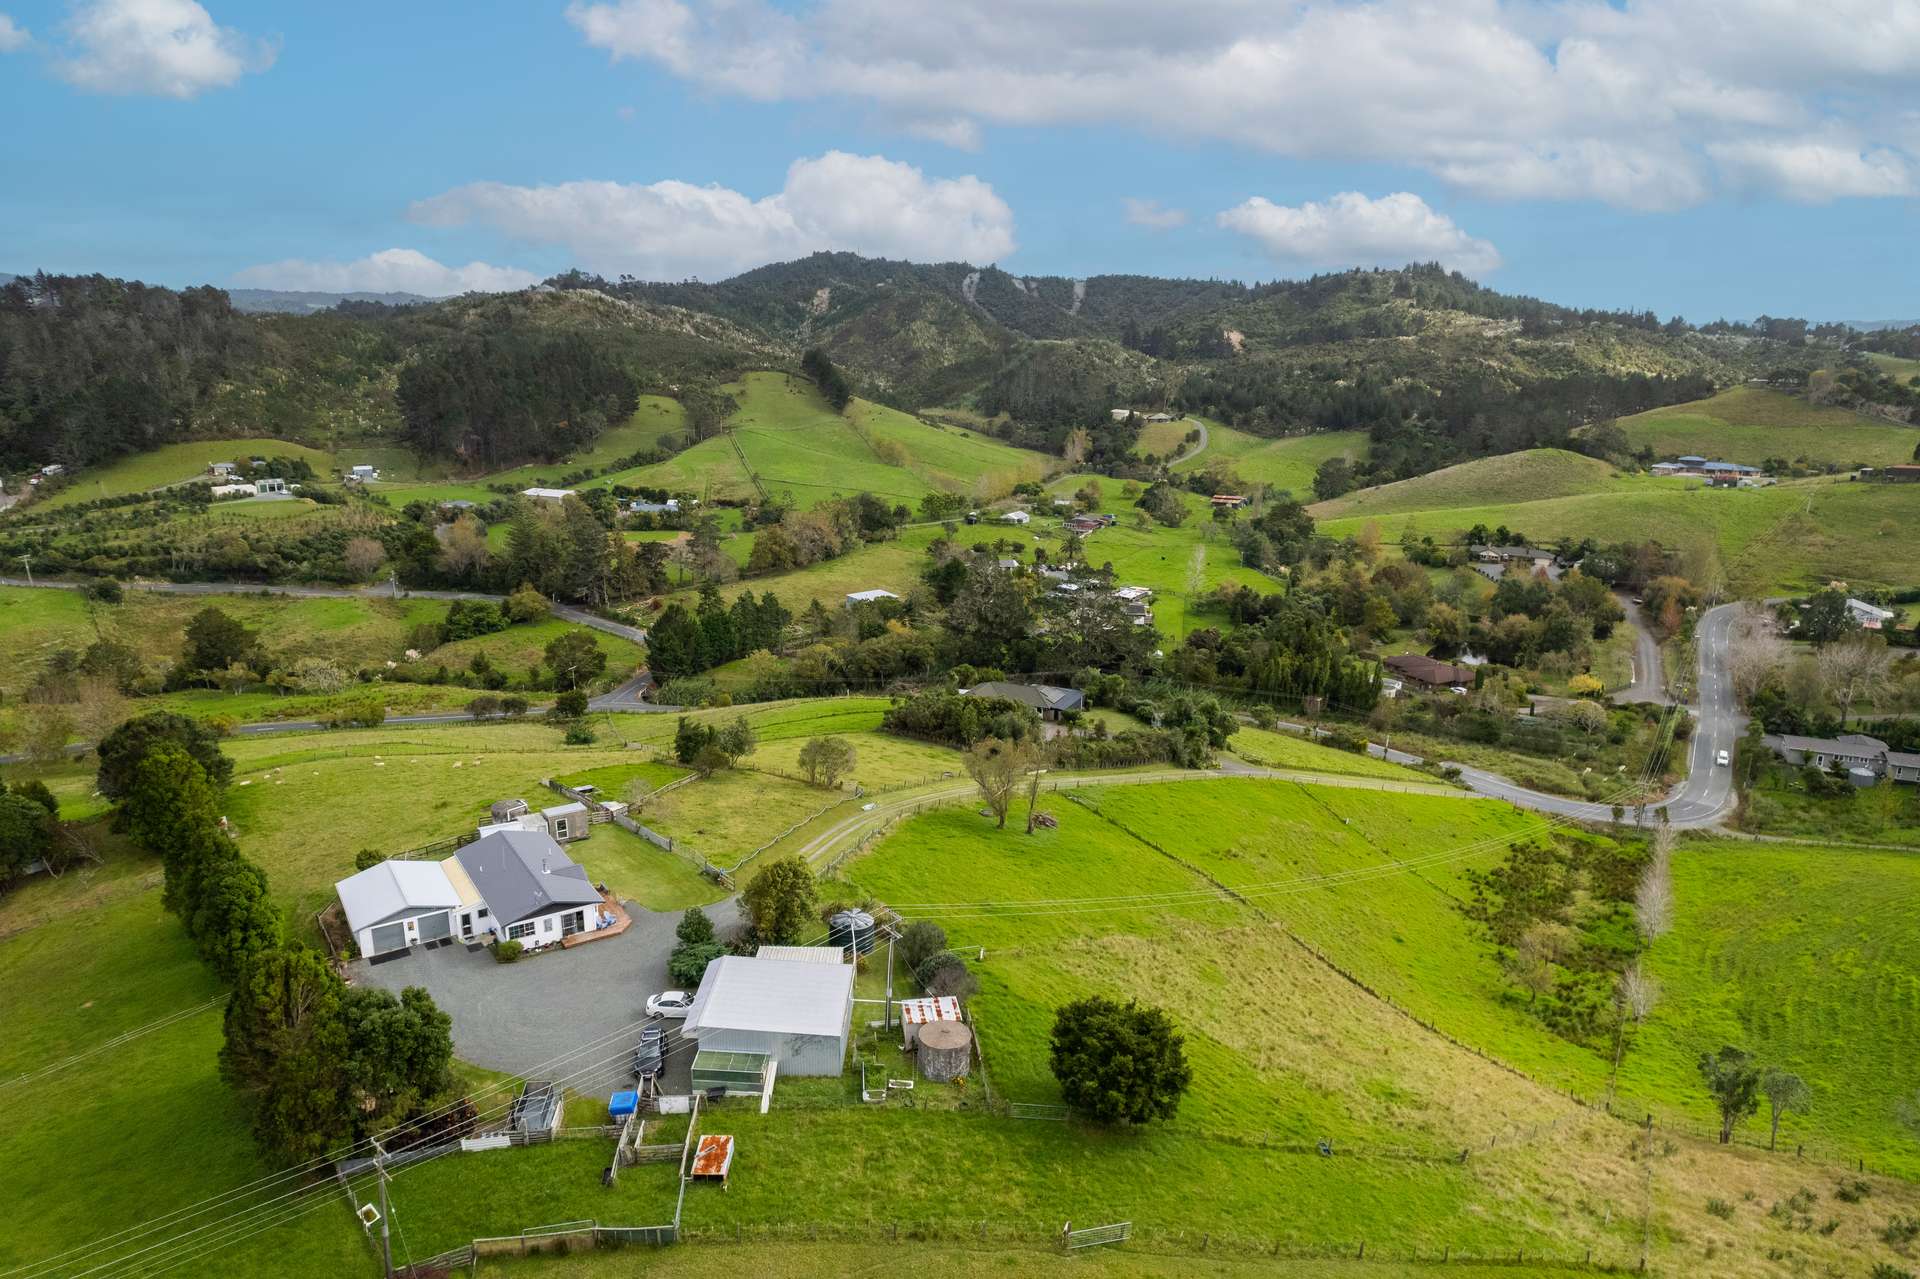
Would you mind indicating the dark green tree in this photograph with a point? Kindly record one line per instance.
(575, 660)
(673, 645)
(216, 641)
(688, 963)
(920, 941)
(36, 790)
(400, 1055)
(690, 737)
(780, 901)
(1733, 1078)
(1119, 1063)
(832, 382)
(121, 750)
(286, 1051)
(26, 835)
(233, 920)
(694, 927)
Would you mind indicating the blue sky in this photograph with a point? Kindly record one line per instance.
(1588, 153)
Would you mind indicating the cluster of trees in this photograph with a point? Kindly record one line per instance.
(827, 531)
(1288, 647)
(1560, 917)
(939, 970)
(680, 643)
(493, 400)
(827, 376)
(568, 552)
(320, 1064)
(164, 772)
(29, 828)
(709, 748)
(953, 720)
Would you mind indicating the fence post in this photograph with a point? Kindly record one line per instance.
(1363, 1251)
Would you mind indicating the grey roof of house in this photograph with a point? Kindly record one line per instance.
(395, 890)
(564, 810)
(1042, 697)
(1851, 744)
(1903, 759)
(523, 874)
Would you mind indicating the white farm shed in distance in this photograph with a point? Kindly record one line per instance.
(793, 1014)
(396, 904)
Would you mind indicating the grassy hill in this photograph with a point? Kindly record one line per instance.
(1533, 475)
(1752, 541)
(797, 444)
(1751, 424)
(178, 463)
(1287, 463)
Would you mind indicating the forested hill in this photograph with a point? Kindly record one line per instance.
(92, 367)
(1434, 366)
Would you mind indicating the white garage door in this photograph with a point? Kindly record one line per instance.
(389, 937)
(434, 927)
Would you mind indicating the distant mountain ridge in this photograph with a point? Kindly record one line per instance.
(301, 302)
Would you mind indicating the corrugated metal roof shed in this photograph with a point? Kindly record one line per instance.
(920, 1012)
(775, 996)
(395, 890)
(803, 954)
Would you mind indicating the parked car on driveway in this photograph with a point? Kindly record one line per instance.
(649, 1055)
(669, 1003)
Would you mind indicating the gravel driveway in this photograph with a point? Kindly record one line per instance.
(519, 1017)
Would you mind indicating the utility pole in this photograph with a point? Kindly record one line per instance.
(386, 1239)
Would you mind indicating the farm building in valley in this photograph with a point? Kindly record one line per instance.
(514, 884)
(1429, 672)
(754, 1015)
(1050, 701)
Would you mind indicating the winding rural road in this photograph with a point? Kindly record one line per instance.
(1199, 446)
(1702, 800)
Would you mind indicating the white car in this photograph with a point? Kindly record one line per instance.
(1723, 759)
(669, 1003)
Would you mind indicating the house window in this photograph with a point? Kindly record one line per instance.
(483, 912)
(559, 828)
(516, 931)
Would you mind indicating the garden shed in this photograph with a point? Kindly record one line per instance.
(794, 1014)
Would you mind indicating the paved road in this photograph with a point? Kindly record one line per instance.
(566, 612)
(1649, 679)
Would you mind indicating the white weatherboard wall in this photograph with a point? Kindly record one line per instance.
(798, 1014)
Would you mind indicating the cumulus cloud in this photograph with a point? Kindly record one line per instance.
(1151, 215)
(1630, 104)
(168, 48)
(388, 271)
(1813, 172)
(1353, 230)
(13, 37)
(672, 229)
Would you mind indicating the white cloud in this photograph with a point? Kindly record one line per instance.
(671, 229)
(388, 271)
(168, 48)
(1813, 172)
(955, 131)
(1151, 215)
(1353, 230)
(1562, 99)
(13, 37)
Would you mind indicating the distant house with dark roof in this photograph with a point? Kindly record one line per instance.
(1853, 751)
(1431, 672)
(1049, 700)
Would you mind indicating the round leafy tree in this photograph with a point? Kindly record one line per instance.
(1119, 1063)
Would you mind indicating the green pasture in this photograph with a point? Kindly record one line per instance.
(177, 463)
(1287, 464)
(798, 445)
(1289, 750)
(1803, 956)
(1789, 537)
(1531, 475)
(1751, 424)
